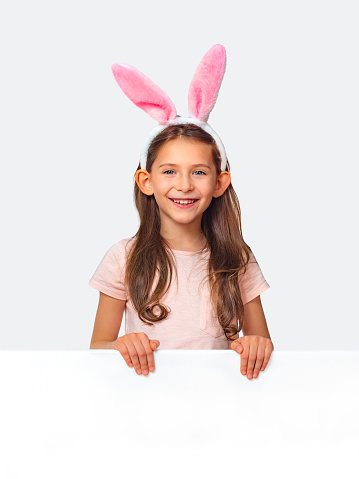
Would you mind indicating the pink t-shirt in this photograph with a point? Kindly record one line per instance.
(192, 323)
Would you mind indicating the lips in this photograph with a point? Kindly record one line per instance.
(184, 206)
(190, 200)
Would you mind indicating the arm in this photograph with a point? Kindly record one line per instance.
(107, 322)
(255, 347)
(254, 320)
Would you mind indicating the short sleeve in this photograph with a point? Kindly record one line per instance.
(109, 275)
(252, 283)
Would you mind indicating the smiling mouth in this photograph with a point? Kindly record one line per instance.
(184, 201)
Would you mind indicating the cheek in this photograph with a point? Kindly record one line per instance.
(208, 188)
(161, 184)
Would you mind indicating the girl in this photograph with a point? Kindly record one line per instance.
(187, 279)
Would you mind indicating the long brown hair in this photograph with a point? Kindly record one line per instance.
(151, 256)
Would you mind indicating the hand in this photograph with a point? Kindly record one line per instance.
(137, 350)
(255, 353)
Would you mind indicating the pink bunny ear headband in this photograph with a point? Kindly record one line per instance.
(156, 103)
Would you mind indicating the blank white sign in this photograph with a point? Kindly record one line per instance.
(73, 414)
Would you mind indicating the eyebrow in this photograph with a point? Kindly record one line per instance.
(174, 164)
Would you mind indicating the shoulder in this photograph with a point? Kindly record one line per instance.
(120, 249)
(123, 244)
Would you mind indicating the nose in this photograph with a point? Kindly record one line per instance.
(184, 184)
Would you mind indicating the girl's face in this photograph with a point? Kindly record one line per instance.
(183, 171)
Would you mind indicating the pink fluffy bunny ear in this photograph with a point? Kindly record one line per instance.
(203, 90)
(144, 93)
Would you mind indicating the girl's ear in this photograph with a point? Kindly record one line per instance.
(144, 93)
(223, 181)
(142, 178)
(203, 90)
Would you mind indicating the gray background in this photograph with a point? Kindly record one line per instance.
(287, 113)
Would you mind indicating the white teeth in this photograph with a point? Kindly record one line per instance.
(187, 202)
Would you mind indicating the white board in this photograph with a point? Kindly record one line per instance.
(73, 414)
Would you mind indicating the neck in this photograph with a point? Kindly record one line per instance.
(184, 238)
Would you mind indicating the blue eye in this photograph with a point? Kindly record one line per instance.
(200, 171)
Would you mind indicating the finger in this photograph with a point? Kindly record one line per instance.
(154, 343)
(267, 354)
(259, 361)
(122, 348)
(132, 349)
(149, 358)
(237, 346)
(142, 354)
(244, 358)
(253, 346)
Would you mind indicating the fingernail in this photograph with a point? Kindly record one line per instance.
(145, 371)
(255, 375)
(244, 371)
(152, 368)
(139, 371)
(249, 376)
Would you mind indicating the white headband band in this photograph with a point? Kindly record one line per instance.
(182, 121)
(202, 96)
